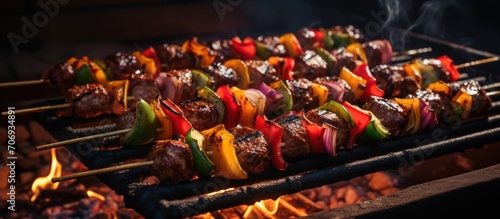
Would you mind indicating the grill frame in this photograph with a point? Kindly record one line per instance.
(184, 199)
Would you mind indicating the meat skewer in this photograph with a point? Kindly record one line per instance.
(295, 143)
(114, 65)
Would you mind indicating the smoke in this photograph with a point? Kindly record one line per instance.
(437, 18)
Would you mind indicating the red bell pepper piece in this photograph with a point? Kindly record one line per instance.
(272, 132)
(314, 136)
(319, 36)
(371, 89)
(174, 112)
(361, 120)
(450, 66)
(246, 48)
(150, 52)
(233, 107)
(284, 66)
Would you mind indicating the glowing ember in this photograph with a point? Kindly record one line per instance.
(96, 195)
(45, 182)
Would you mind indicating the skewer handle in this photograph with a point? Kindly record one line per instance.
(39, 109)
(413, 51)
(21, 83)
(76, 140)
(102, 170)
(478, 62)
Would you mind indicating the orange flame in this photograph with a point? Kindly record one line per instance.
(268, 207)
(92, 194)
(45, 182)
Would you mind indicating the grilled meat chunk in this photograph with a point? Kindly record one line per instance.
(61, 75)
(324, 116)
(122, 64)
(261, 71)
(343, 59)
(481, 102)
(295, 144)
(391, 80)
(302, 96)
(173, 161)
(200, 113)
(252, 150)
(126, 119)
(188, 86)
(89, 100)
(174, 57)
(223, 48)
(438, 105)
(272, 45)
(141, 86)
(306, 38)
(390, 113)
(221, 75)
(310, 65)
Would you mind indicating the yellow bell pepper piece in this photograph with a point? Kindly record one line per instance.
(321, 92)
(413, 70)
(219, 144)
(165, 121)
(147, 63)
(242, 69)
(357, 83)
(357, 50)
(248, 109)
(464, 100)
(412, 106)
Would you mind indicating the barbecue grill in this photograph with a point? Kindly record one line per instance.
(205, 195)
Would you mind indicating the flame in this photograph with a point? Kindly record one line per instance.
(92, 194)
(267, 207)
(45, 182)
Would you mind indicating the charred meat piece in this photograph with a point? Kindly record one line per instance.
(391, 80)
(355, 35)
(188, 86)
(172, 161)
(61, 75)
(438, 105)
(261, 71)
(378, 52)
(481, 102)
(344, 59)
(306, 38)
(390, 113)
(174, 57)
(223, 48)
(122, 64)
(142, 86)
(310, 65)
(294, 136)
(89, 100)
(221, 75)
(200, 113)
(126, 120)
(273, 45)
(302, 96)
(324, 116)
(252, 150)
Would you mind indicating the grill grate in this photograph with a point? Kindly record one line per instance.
(188, 199)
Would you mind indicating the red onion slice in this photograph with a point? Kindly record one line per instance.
(330, 139)
(428, 118)
(386, 48)
(258, 98)
(335, 90)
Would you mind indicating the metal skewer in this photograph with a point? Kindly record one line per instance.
(413, 51)
(477, 62)
(21, 83)
(76, 140)
(103, 170)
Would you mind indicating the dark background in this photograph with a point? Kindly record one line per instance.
(97, 29)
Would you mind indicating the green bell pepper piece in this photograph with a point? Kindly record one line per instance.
(203, 165)
(145, 125)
